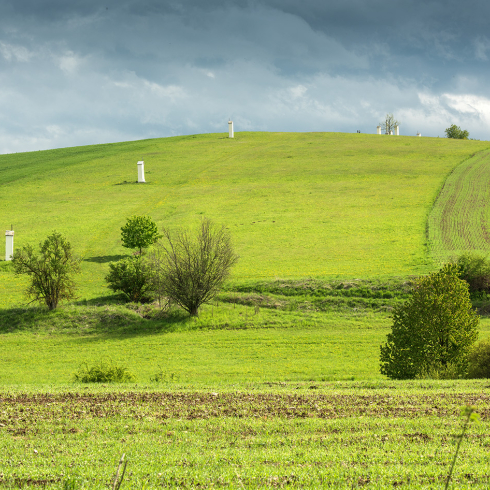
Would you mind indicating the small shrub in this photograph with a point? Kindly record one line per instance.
(130, 277)
(479, 361)
(104, 372)
(161, 376)
(475, 270)
(449, 371)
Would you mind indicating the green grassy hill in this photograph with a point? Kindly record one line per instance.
(297, 204)
(277, 381)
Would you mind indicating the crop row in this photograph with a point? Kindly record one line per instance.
(23, 409)
(459, 220)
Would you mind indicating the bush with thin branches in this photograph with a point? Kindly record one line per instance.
(190, 270)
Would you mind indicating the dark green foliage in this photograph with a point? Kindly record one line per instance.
(479, 361)
(475, 270)
(456, 132)
(433, 330)
(104, 372)
(50, 271)
(130, 276)
(139, 232)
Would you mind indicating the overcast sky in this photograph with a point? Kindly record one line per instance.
(78, 72)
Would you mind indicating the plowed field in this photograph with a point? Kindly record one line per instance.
(460, 218)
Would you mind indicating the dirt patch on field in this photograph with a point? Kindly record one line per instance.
(20, 409)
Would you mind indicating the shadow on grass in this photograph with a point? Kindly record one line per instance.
(93, 322)
(133, 182)
(111, 299)
(102, 259)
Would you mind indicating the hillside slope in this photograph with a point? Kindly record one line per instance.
(297, 204)
(460, 218)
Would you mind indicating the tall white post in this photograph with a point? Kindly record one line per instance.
(230, 129)
(141, 172)
(378, 129)
(397, 130)
(9, 244)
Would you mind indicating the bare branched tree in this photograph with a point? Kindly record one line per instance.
(388, 125)
(190, 270)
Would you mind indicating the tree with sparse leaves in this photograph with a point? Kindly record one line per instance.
(457, 133)
(389, 124)
(50, 271)
(139, 232)
(190, 270)
(433, 331)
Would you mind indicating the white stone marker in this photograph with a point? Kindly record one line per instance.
(378, 129)
(9, 244)
(230, 129)
(141, 172)
(419, 134)
(397, 130)
(391, 133)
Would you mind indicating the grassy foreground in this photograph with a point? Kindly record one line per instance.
(297, 205)
(340, 435)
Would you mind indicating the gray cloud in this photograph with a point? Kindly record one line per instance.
(74, 73)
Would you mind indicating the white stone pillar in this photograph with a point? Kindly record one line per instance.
(378, 129)
(397, 130)
(141, 172)
(230, 129)
(9, 244)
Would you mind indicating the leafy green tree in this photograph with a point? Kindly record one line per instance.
(130, 276)
(433, 330)
(50, 271)
(139, 232)
(456, 132)
(190, 270)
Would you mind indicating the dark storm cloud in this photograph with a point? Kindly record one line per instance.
(83, 72)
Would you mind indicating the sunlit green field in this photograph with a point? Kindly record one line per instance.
(277, 383)
(296, 204)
